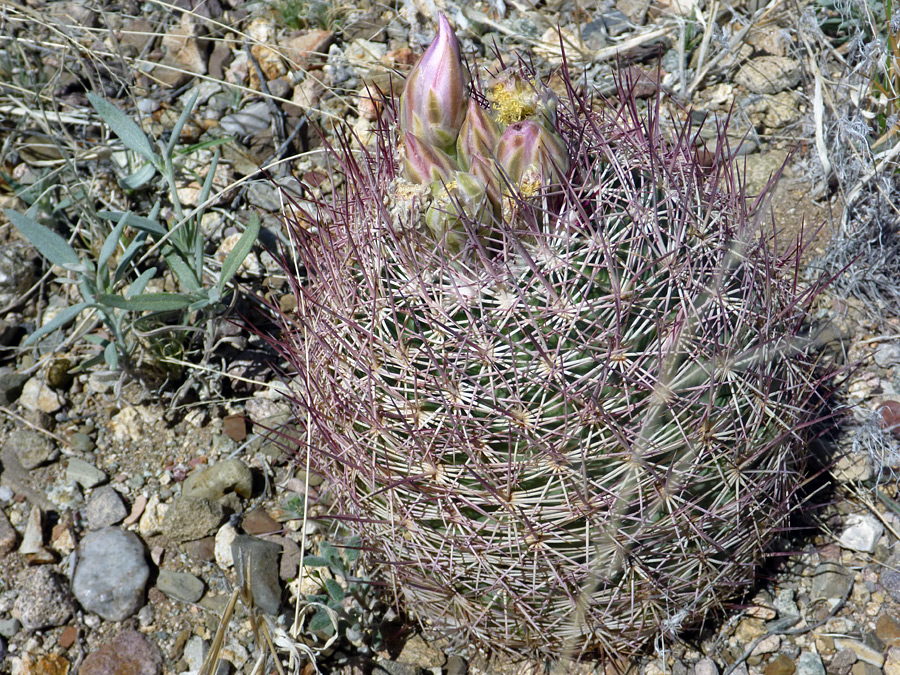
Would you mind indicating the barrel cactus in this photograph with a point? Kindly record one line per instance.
(551, 364)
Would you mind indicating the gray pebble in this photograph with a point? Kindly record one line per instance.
(190, 518)
(43, 601)
(182, 586)
(9, 627)
(111, 573)
(105, 508)
(887, 354)
(809, 663)
(830, 581)
(259, 558)
(195, 652)
(230, 475)
(81, 442)
(86, 475)
(706, 666)
(890, 577)
(32, 449)
(768, 74)
(11, 384)
(456, 665)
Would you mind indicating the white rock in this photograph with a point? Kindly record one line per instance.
(224, 537)
(706, 667)
(861, 533)
(152, 518)
(38, 397)
(125, 425)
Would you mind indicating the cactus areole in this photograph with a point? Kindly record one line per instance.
(552, 368)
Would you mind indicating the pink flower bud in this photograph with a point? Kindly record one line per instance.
(478, 136)
(433, 103)
(528, 153)
(424, 163)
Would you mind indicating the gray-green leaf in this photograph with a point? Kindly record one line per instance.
(61, 319)
(46, 241)
(124, 127)
(240, 251)
(148, 302)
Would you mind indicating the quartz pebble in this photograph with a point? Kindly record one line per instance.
(111, 573)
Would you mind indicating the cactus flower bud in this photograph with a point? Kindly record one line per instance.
(531, 156)
(433, 103)
(424, 163)
(464, 198)
(478, 136)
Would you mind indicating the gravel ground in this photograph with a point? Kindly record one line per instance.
(140, 475)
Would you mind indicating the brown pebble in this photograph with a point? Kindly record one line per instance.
(780, 665)
(890, 417)
(888, 630)
(48, 664)
(201, 550)
(259, 522)
(68, 636)
(235, 427)
(129, 652)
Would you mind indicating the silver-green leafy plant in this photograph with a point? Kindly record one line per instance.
(118, 296)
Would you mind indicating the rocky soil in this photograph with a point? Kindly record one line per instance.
(133, 514)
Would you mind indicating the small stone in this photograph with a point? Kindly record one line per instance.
(768, 74)
(151, 522)
(129, 653)
(830, 582)
(201, 550)
(62, 536)
(67, 637)
(257, 560)
(7, 535)
(182, 586)
(42, 601)
(863, 652)
(749, 629)
(82, 442)
(892, 661)
(137, 509)
(85, 474)
(457, 665)
(417, 652)
(32, 449)
(224, 539)
(780, 665)
(861, 533)
(308, 48)
(259, 522)
(235, 427)
(37, 396)
(191, 518)
(842, 661)
(810, 663)
(195, 651)
(111, 573)
(105, 508)
(887, 354)
(11, 384)
(767, 645)
(706, 666)
(9, 627)
(33, 538)
(890, 577)
(183, 46)
(230, 475)
(890, 417)
(45, 664)
(290, 559)
(887, 629)
(865, 668)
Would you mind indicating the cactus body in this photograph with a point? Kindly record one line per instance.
(578, 427)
